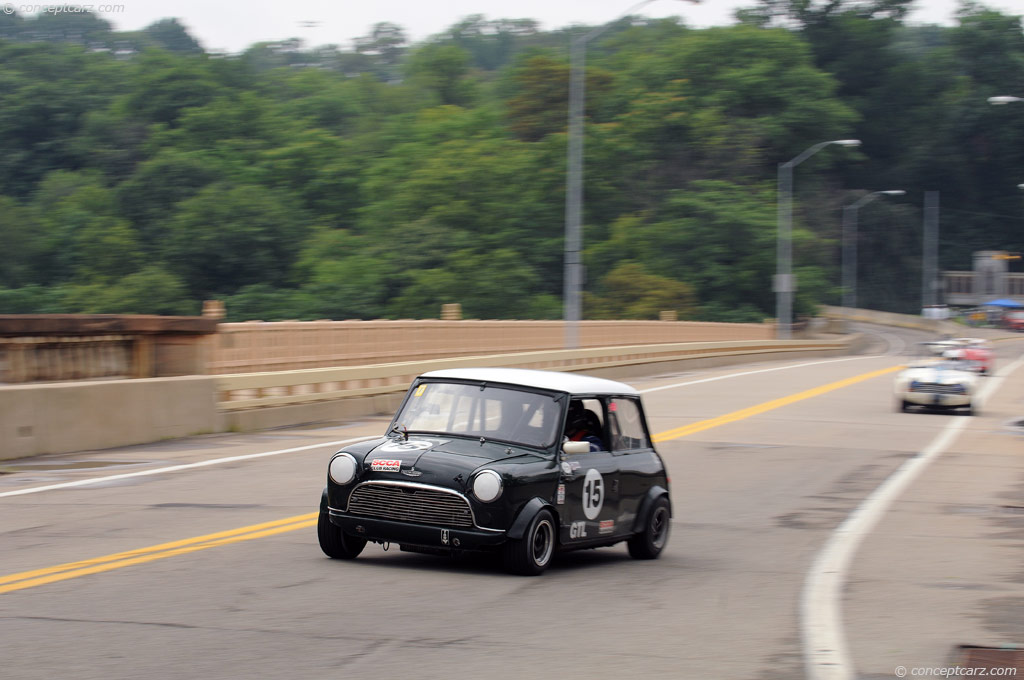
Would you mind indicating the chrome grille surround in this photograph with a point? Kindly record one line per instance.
(411, 502)
(938, 388)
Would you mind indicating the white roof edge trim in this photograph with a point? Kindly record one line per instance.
(573, 383)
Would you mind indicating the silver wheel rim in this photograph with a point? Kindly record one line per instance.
(659, 527)
(543, 543)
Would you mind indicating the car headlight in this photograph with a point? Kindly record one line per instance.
(342, 468)
(914, 386)
(487, 486)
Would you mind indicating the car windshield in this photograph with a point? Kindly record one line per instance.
(959, 365)
(516, 416)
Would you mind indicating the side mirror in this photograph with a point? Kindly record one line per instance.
(573, 448)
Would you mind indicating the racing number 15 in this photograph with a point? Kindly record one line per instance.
(592, 493)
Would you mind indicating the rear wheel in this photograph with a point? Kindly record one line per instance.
(649, 543)
(531, 554)
(335, 542)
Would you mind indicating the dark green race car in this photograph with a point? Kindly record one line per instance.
(521, 462)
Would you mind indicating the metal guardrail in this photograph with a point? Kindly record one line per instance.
(279, 388)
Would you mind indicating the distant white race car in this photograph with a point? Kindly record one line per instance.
(941, 384)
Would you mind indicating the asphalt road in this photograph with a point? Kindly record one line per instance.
(757, 494)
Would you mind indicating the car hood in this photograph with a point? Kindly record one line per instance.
(938, 375)
(439, 460)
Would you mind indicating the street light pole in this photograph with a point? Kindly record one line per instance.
(850, 244)
(784, 255)
(573, 268)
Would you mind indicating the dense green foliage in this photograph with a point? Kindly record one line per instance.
(140, 174)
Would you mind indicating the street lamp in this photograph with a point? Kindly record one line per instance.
(573, 270)
(1002, 100)
(850, 244)
(784, 265)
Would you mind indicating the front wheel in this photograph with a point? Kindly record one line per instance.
(531, 554)
(336, 543)
(649, 543)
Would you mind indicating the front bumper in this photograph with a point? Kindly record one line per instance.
(937, 400)
(417, 535)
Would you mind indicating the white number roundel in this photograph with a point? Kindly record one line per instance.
(593, 494)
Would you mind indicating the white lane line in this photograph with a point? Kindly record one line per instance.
(176, 468)
(762, 370)
(826, 656)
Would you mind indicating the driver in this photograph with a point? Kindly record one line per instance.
(583, 425)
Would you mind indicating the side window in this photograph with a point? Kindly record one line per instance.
(627, 427)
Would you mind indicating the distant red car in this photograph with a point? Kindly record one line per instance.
(975, 351)
(1014, 321)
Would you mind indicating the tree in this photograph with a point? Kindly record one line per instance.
(20, 244)
(172, 36)
(164, 85)
(540, 103)
(384, 46)
(631, 292)
(65, 24)
(46, 92)
(148, 198)
(83, 238)
(716, 236)
(151, 290)
(229, 236)
(442, 70)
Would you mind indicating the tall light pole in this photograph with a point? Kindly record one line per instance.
(573, 269)
(850, 244)
(930, 251)
(784, 256)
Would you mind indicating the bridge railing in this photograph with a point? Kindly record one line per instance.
(285, 346)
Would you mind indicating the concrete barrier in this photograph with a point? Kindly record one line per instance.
(83, 415)
(892, 319)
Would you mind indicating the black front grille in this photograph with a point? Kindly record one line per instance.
(938, 388)
(421, 505)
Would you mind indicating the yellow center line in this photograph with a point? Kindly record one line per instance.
(702, 425)
(61, 572)
(70, 570)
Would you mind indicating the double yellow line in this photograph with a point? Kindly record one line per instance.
(63, 572)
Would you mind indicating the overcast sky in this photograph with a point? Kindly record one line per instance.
(233, 25)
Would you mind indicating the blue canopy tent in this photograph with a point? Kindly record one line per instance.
(1003, 302)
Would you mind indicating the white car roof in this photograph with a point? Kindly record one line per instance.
(573, 383)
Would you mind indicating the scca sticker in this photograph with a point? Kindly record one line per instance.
(384, 465)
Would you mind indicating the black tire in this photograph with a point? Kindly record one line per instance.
(903, 406)
(649, 543)
(969, 410)
(336, 543)
(531, 554)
